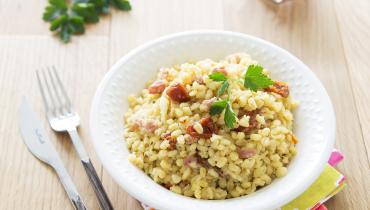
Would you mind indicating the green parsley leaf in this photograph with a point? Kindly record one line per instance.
(217, 76)
(76, 25)
(87, 11)
(71, 25)
(121, 4)
(69, 19)
(217, 107)
(101, 6)
(254, 79)
(230, 116)
(223, 88)
(58, 22)
(54, 9)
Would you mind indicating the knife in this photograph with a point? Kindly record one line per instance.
(40, 146)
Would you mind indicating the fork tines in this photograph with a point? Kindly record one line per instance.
(54, 96)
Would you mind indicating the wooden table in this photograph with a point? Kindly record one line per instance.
(330, 36)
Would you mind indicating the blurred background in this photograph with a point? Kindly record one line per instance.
(331, 36)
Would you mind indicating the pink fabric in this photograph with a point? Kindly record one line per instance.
(341, 180)
(321, 207)
(335, 158)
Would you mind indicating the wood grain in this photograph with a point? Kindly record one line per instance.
(310, 31)
(330, 36)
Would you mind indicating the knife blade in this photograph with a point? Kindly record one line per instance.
(34, 136)
(37, 142)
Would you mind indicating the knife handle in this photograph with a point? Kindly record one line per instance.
(68, 185)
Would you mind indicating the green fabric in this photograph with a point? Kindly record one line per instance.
(322, 189)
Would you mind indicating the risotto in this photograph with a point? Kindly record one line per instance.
(212, 129)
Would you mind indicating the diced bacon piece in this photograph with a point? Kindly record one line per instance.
(189, 159)
(150, 125)
(280, 88)
(208, 102)
(221, 70)
(208, 126)
(204, 163)
(157, 87)
(178, 93)
(246, 153)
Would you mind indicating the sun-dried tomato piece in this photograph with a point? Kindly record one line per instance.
(280, 88)
(157, 87)
(208, 126)
(178, 93)
(172, 140)
(253, 124)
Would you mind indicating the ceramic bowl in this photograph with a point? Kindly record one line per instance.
(314, 122)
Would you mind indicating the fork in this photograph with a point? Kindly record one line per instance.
(62, 117)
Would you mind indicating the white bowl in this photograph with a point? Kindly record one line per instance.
(314, 119)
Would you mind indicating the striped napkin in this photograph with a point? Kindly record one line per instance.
(329, 183)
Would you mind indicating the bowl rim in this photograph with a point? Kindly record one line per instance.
(136, 194)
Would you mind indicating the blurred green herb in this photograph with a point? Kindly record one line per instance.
(67, 20)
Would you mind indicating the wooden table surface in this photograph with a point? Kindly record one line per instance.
(331, 36)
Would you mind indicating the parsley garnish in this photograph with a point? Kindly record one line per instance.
(67, 21)
(219, 106)
(218, 76)
(254, 79)
(224, 87)
(230, 116)
(67, 25)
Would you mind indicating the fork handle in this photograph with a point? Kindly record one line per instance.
(98, 187)
(102, 196)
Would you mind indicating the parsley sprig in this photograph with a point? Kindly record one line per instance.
(254, 80)
(67, 20)
(220, 105)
